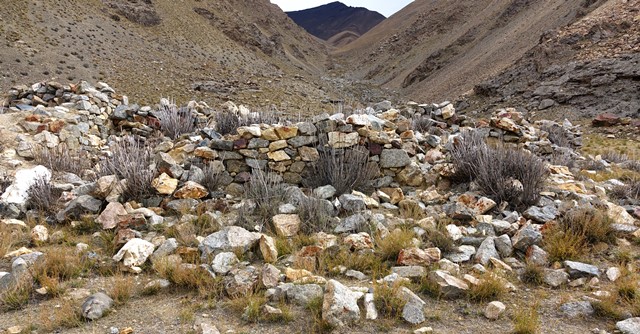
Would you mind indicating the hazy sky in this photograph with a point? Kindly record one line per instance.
(384, 7)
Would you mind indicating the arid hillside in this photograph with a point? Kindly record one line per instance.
(587, 68)
(434, 49)
(212, 50)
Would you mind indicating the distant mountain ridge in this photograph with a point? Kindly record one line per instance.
(335, 18)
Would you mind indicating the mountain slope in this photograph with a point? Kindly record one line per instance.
(206, 49)
(334, 18)
(435, 49)
(589, 67)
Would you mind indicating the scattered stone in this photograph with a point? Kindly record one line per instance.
(526, 237)
(39, 234)
(302, 294)
(340, 305)
(110, 216)
(286, 225)
(223, 262)
(415, 256)
(579, 269)
(486, 251)
(614, 273)
(96, 306)
(165, 184)
(556, 278)
(409, 271)
(413, 310)
(359, 241)
(394, 159)
(629, 326)
(494, 310)
(450, 286)
(134, 253)
(577, 309)
(268, 249)
(229, 239)
(191, 190)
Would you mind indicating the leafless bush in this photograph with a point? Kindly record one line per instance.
(593, 164)
(43, 197)
(633, 165)
(212, 177)
(130, 160)
(267, 191)
(630, 190)
(262, 117)
(345, 169)
(615, 157)
(226, 122)
(61, 158)
(465, 154)
(510, 175)
(562, 158)
(557, 135)
(421, 123)
(316, 214)
(175, 121)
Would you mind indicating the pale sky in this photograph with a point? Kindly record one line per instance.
(384, 7)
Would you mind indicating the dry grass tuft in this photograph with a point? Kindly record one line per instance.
(489, 288)
(267, 191)
(184, 277)
(17, 296)
(318, 325)
(439, 237)
(578, 229)
(388, 301)
(316, 215)
(62, 264)
(122, 289)
(365, 262)
(390, 246)
(533, 274)
(525, 320)
(66, 315)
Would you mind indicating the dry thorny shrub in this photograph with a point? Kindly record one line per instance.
(504, 174)
(213, 177)
(228, 122)
(130, 160)
(61, 158)
(631, 190)
(316, 214)
(267, 191)
(175, 121)
(43, 197)
(345, 169)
